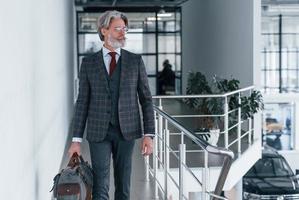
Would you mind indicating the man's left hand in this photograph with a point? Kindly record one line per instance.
(147, 146)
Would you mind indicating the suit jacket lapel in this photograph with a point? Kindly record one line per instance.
(101, 69)
(124, 69)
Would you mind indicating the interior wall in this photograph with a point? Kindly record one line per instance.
(36, 76)
(219, 38)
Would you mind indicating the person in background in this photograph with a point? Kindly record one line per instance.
(112, 83)
(166, 79)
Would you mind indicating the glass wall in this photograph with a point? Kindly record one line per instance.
(278, 120)
(280, 53)
(153, 33)
(280, 74)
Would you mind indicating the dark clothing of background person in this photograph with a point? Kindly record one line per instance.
(166, 79)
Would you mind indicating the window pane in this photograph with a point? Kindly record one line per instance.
(284, 75)
(272, 78)
(150, 64)
(278, 122)
(178, 21)
(166, 43)
(290, 24)
(166, 25)
(89, 43)
(270, 42)
(272, 60)
(141, 22)
(177, 65)
(289, 50)
(178, 43)
(293, 59)
(270, 24)
(292, 78)
(152, 84)
(166, 21)
(88, 22)
(289, 80)
(290, 41)
(263, 79)
(263, 60)
(284, 58)
(140, 43)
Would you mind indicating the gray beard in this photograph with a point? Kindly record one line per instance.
(115, 44)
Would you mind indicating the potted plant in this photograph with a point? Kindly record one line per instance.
(198, 84)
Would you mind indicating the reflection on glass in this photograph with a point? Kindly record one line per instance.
(278, 121)
(270, 167)
(89, 43)
(88, 22)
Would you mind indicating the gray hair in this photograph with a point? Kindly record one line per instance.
(105, 19)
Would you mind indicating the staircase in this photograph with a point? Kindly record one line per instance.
(185, 165)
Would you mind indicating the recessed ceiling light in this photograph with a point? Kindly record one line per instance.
(164, 14)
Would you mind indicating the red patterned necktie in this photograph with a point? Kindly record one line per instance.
(112, 63)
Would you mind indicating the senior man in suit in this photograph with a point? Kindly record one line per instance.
(113, 82)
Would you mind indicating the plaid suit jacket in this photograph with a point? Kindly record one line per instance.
(93, 104)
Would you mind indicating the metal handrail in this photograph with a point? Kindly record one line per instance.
(225, 114)
(162, 148)
(225, 153)
(202, 143)
(203, 95)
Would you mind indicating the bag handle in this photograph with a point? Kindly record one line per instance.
(74, 160)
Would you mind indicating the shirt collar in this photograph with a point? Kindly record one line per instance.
(106, 51)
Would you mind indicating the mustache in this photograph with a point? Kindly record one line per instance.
(123, 38)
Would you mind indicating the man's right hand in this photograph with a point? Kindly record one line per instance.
(75, 147)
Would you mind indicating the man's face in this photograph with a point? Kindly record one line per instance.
(115, 34)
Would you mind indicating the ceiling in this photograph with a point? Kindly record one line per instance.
(279, 2)
(277, 7)
(129, 3)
